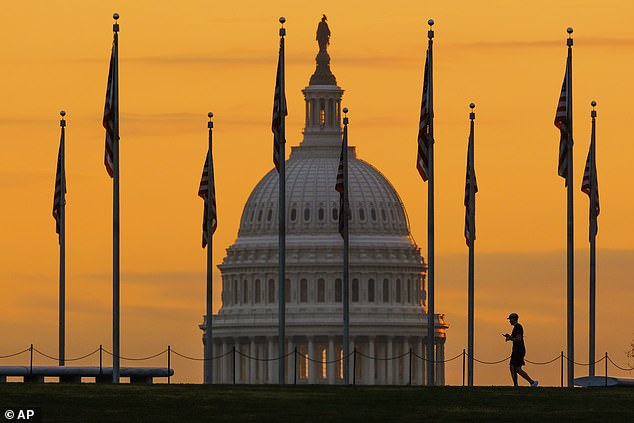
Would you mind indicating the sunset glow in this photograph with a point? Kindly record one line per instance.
(177, 62)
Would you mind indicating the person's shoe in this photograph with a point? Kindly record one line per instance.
(535, 383)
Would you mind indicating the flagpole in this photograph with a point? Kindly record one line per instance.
(208, 350)
(116, 314)
(346, 256)
(62, 244)
(282, 217)
(593, 237)
(471, 167)
(570, 210)
(431, 327)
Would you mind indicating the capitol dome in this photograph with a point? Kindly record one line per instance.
(387, 286)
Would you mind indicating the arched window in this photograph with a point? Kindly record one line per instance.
(370, 290)
(306, 214)
(373, 215)
(257, 291)
(355, 290)
(362, 214)
(235, 291)
(383, 216)
(260, 215)
(321, 290)
(338, 286)
(293, 215)
(269, 216)
(303, 291)
(409, 291)
(321, 214)
(287, 290)
(271, 289)
(245, 292)
(386, 291)
(335, 213)
(398, 291)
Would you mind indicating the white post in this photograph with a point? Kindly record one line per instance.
(311, 364)
(271, 363)
(238, 359)
(420, 364)
(291, 361)
(331, 368)
(389, 363)
(225, 365)
(253, 352)
(381, 364)
(371, 362)
(405, 361)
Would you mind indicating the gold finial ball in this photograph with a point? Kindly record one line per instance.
(569, 30)
(430, 22)
(345, 110)
(210, 115)
(472, 105)
(62, 113)
(282, 20)
(593, 103)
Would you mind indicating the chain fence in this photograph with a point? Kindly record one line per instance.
(355, 355)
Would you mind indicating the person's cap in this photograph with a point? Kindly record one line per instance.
(513, 316)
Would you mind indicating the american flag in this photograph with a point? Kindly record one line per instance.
(110, 112)
(588, 181)
(202, 193)
(59, 198)
(426, 116)
(340, 187)
(279, 111)
(561, 122)
(468, 205)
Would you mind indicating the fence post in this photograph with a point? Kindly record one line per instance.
(410, 367)
(169, 359)
(463, 364)
(233, 350)
(606, 368)
(562, 369)
(100, 359)
(295, 366)
(354, 365)
(31, 361)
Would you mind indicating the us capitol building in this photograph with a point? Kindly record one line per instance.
(387, 272)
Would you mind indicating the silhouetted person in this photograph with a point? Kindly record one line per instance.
(519, 350)
(323, 34)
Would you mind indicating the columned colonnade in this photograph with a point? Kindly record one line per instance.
(379, 360)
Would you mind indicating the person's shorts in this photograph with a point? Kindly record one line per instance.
(517, 359)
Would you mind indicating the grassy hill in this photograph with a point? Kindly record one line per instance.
(228, 403)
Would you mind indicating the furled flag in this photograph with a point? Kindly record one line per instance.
(426, 116)
(467, 203)
(202, 193)
(561, 122)
(587, 182)
(279, 111)
(339, 187)
(110, 112)
(59, 198)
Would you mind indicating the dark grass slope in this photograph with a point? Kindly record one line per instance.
(192, 403)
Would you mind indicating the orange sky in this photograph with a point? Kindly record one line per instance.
(180, 61)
